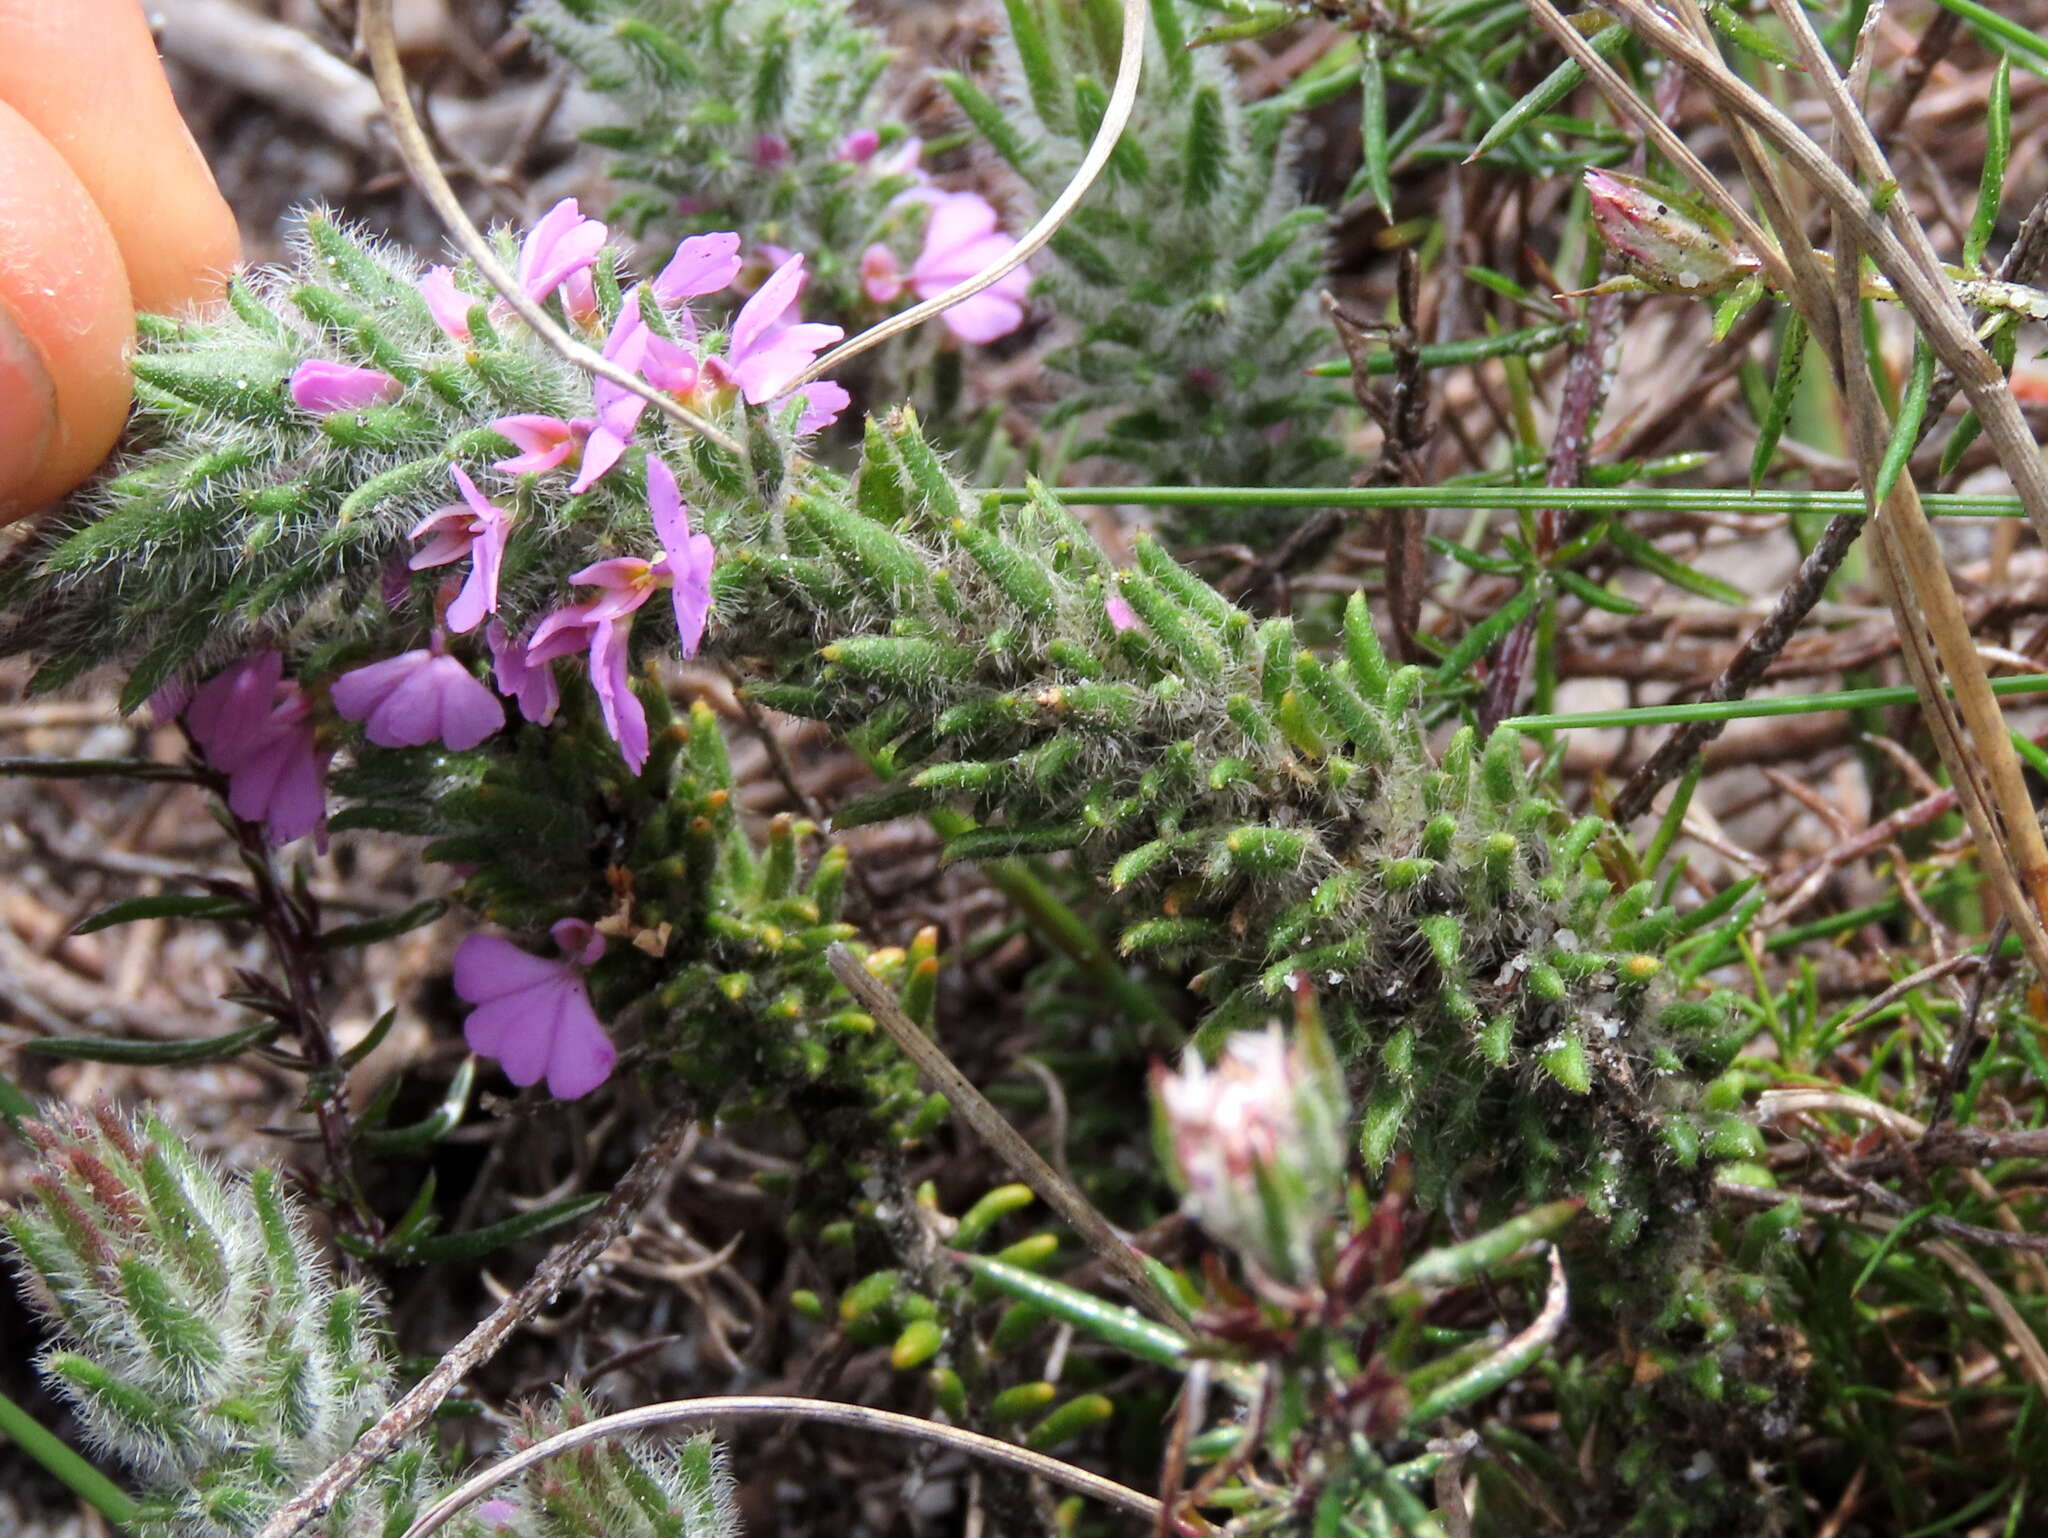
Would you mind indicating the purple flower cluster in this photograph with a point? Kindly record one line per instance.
(427, 695)
(263, 731)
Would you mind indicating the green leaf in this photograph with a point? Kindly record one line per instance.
(1674, 817)
(987, 117)
(1373, 122)
(1906, 430)
(109, 1049)
(1041, 74)
(1455, 1265)
(186, 906)
(1205, 148)
(389, 927)
(372, 1040)
(1732, 25)
(1997, 151)
(431, 1129)
(1593, 593)
(1481, 636)
(2004, 346)
(1267, 18)
(479, 1242)
(1551, 90)
(1641, 552)
(1791, 359)
(1111, 1323)
(2010, 35)
(58, 1459)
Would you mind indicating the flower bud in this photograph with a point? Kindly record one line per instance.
(1256, 1144)
(1669, 242)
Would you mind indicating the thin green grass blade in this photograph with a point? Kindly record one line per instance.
(1749, 710)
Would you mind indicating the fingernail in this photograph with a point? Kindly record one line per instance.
(28, 413)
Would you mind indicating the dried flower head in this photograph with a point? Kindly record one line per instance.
(1255, 1143)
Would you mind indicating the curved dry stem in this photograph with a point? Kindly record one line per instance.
(822, 1411)
(1123, 97)
(1059, 1194)
(425, 171)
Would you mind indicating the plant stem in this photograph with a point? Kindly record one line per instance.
(50, 1450)
(1110, 1247)
(1743, 710)
(1576, 499)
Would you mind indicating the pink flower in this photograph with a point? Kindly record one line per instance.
(669, 365)
(595, 443)
(618, 409)
(449, 305)
(823, 400)
(1122, 616)
(254, 726)
(533, 1014)
(687, 556)
(324, 388)
(771, 150)
(416, 698)
(561, 246)
(905, 160)
(543, 441)
(859, 146)
(549, 441)
(881, 275)
(960, 241)
(1257, 1145)
(473, 528)
(768, 348)
(531, 684)
(703, 264)
(587, 626)
(603, 624)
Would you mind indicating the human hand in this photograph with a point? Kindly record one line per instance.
(106, 207)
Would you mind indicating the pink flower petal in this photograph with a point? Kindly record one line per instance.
(881, 275)
(604, 449)
(561, 243)
(578, 940)
(487, 967)
(692, 592)
(703, 264)
(453, 531)
(767, 370)
(957, 219)
(416, 698)
(520, 678)
(324, 388)
(580, 1055)
(560, 634)
(624, 716)
(545, 442)
(823, 400)
(449, 305)
(766, 305)
(233, 703)
(533, 1015)
(983, 318)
